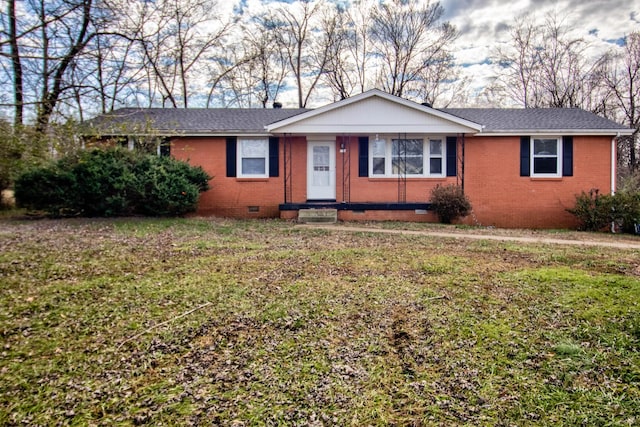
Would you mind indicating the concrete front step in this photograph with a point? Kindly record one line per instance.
(318, 215)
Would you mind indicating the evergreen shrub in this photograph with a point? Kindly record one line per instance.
(112, 182)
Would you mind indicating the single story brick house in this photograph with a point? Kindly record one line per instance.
(376, 157)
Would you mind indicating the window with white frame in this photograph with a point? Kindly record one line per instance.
(410, 157)
(253, 158)
(546, 156)
(436, 159)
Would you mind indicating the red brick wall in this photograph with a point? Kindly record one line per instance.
(229, 196)
(502, 198)
(499, 195)
(298, 183)
(387, 216)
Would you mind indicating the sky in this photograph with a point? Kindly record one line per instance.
(484, 24)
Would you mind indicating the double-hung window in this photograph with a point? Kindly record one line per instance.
(436, 154)
(379, 157)
(411, 157)
(546, 156)
(253, 158)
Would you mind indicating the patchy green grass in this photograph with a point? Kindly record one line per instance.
(219, 322)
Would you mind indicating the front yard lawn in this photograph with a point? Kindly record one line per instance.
(220, 322)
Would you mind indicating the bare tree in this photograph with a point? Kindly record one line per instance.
(106, 75)
(175, 37)
(260, 70)
(114, 69)
(409, 39)
(621, 74)
(305, 46)
(340, 73)
(224, 73)
(520, 62)
(544, 66)
(441, 84)
(44, 42)
(57, 61)
(564, 66)
(359, 42)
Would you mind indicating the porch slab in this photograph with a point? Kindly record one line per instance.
(359, 206)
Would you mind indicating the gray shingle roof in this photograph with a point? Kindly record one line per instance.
(208, 121)
(533, 119)
(191, 121)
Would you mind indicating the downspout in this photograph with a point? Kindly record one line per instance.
(284, 164)
(462, 166)
(614, 152)
(342, 152)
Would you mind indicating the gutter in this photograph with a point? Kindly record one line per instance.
(172, 133)
(573, 132)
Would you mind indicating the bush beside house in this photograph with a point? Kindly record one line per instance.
(112, 182)
(597, 211)
(450, 203)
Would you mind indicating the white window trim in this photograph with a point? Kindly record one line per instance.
(426, 156)
(239, 158)
(558, 173)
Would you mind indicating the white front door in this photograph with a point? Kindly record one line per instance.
(321, 170)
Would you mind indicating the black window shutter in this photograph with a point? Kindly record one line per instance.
(165, 147)
(363, 156)
(525, 156)
(274, 144)
(231, 156)
(567, 156)
(452, 156)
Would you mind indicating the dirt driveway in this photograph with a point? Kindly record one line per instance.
(586, 239)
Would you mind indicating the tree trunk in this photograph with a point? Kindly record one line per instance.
(17, 66)
(50, 98)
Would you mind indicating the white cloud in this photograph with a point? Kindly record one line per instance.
(484, 24)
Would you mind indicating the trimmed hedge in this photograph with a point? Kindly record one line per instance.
(112, 182)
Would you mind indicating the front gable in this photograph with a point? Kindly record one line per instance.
(374, 112)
